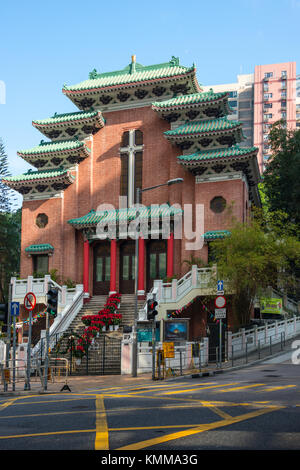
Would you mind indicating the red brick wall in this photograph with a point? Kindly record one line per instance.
(98, 181)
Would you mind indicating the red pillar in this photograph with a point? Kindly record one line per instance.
(170, 255)
(113, 266)
(86, 265)
(141, 283)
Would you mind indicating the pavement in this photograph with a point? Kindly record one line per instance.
(90, 383)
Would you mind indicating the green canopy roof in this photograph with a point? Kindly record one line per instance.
(42, 248)
(124, 215)
(216, 235)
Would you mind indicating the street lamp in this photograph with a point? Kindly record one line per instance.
(134, 342)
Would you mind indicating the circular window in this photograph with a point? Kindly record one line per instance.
(218, 204)
(41, 220)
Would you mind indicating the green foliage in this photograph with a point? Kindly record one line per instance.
(264, 252)
(10, 241)
(281, 178)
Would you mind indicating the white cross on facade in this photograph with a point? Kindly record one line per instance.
(131, 149)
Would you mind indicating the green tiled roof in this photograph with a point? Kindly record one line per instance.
(197, 127)
(119, 215)
(216, 234)
(194, 98)
(133, 73)
(217, 154)
(42, 248)
(37, 175)
(67, 117)
(51, 147)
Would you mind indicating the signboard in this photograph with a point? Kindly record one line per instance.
(220, 313)
(144, 334)
(15, 309)
(29, 301)
(220, 301)
(176, 330)
(220, 287)
(169, 350)
(271, 306)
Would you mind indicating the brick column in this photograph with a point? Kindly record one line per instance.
(141, 280)
(86, 266)
(113, 266)
(170, 255)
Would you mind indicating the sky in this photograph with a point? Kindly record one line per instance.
(46, 44)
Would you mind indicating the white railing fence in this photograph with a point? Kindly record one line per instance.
(259, 337)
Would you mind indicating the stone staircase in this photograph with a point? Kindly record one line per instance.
(108, 344)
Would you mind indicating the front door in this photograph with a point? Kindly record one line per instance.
(127, 267)
(156, 261)
(101, 269)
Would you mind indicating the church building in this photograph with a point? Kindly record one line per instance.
(138, 127)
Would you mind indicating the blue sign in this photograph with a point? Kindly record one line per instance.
(15, 309)
(220, 286)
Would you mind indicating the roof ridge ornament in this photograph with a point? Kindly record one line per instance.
(174, 61)
(93, 74)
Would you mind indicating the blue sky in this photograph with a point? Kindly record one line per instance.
(44, 44)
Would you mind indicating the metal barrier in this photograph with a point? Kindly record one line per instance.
(55, 371)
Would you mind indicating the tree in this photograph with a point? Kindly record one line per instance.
(281, 178)
(255, 257)
(5, 204)
(10, 241)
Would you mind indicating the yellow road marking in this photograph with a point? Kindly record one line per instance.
(197, 389)
(7, 403)
(101, 441)
(279, 387)
(239, 388)
(216, 410)
(202, 428)
(165, 387)
(47, 433)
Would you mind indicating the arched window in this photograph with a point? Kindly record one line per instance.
(131, 153)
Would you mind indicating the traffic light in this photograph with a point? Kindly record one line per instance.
(4, 315)
(52, 301)
(151, 309)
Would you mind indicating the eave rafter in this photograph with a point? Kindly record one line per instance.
(56, 154)
(65, 126)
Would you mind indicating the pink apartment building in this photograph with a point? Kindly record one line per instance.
(274, 99)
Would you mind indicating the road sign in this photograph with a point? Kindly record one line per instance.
(29, 301)
(168, 350)
(15, 309)
(220, 313)
(220, 301)
(220, 286)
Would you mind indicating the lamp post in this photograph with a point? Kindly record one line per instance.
(134, 340)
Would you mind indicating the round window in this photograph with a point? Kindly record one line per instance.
(41, 220)
(218, 204)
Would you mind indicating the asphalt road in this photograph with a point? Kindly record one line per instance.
(257, 408)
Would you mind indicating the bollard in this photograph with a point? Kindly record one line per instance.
(180, 356)
(271, 345)
(258, 348)
(232, 348)
(246, 352)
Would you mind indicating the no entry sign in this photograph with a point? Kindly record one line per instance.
(29, 301)
(220, 301)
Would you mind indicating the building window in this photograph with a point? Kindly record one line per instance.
(218, 204)
(233, 103)
(233, 94)
(41, 221)
(283, 74)
(131, 153)
(40, 264)
(268, 74)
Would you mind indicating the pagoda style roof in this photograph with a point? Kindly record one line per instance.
(93, 218)
(196, 105)
(43, 181)
(135, 82)
(56, 154)
(212, 133)
(213, 165)
(67, 125)
(39, 249)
